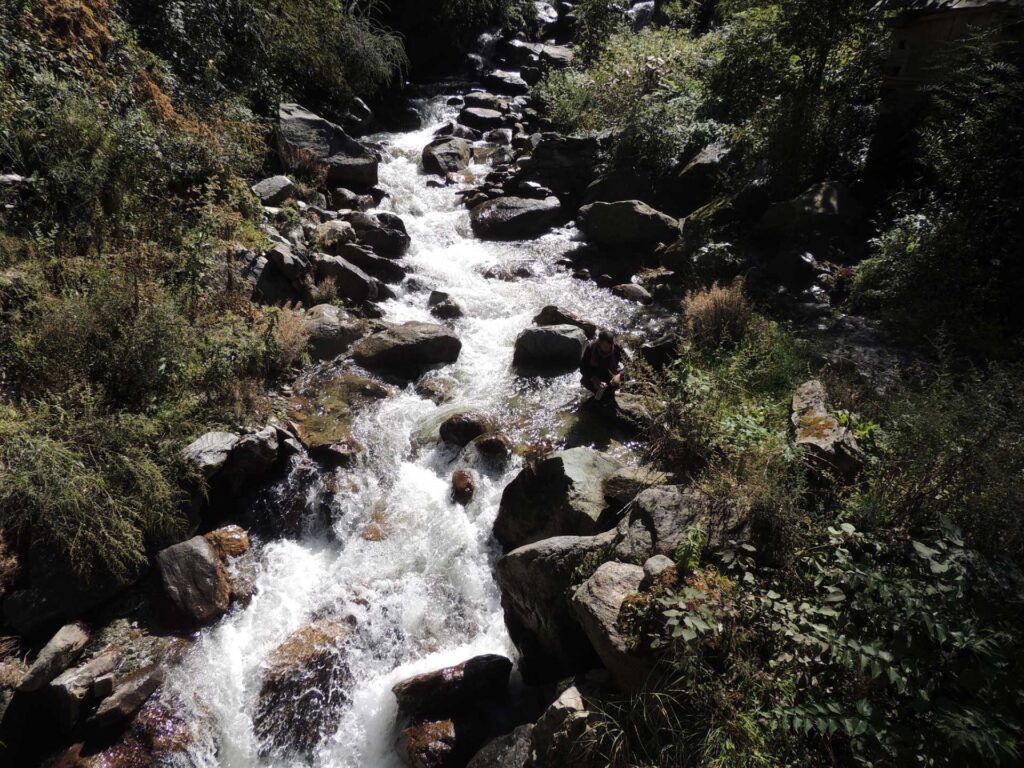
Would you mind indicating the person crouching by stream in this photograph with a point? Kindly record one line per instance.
(603, 369)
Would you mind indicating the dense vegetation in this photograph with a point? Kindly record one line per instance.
(872, 620)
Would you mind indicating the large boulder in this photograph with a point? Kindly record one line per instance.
(830, 447)
(552, 315)
(558, 495)
(550, 349)
(195, 580)
(536, 581)
(481, 118)
(408, 350)
(461, 428)
(597, 604)
(274, 190)
(561, 730)
(510, 83)
(331, 235)
(661, 518)
(514, 218)
(57, 655)
(303, 688)
(447, 155)
(332, 331)
(306, 141)
(623, 485)
(453, 689)
(384, 232)
(252, 457)
(349, 280)
(695, 183)
(384, 269)
(565, 164)
(626, 223)
(209, 453)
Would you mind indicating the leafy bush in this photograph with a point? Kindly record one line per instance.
(91, 485)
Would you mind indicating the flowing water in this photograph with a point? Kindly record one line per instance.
(424, 596)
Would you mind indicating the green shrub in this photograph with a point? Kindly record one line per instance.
(91, 485)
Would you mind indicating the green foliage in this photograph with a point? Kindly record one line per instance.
(647, 88)
(952, 262)
(91, 485)
(596, 22)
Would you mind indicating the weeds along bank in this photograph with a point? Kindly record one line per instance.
(869, 614)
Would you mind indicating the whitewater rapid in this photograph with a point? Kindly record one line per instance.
(423, 597)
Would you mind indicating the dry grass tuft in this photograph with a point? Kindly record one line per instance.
(718, 317)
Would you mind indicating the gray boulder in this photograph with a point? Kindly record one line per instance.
(596, 604)
(385, 270)
(408, 350)
(565, 164)
(484, 100)
(481, 119)
(552, 315)
(626, 223)
(462, 428)
(510, 83)
(536, 581)
(57, 655)
(447, 155)
(830, 447)
(551, 349)
(632, 292)
(514, 218)
(330, 236)
(290, 262)
(250, 459)
(210, 453)
(660, 518)
(384, 232)
(195, 581)
(306, 141)
(275, 190)
(695, 184)
(332, 331)
(560, 731)
(350, 281)
(561, 494)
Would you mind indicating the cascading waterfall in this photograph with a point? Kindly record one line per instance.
(422, 597)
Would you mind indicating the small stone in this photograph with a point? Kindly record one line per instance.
(463, 486)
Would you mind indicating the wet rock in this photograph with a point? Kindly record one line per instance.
(274, 190)
(323, 413)
(626, 223)
(463, 486)
(830, 447)
(128, 697)
(552, 315)
(349, 280)
(662, 517)
(408, 350)
(438, 389)
(57, 655)
(484, 100)
(332, 331)
(330, 235)
(69, 691)
(632, 292)
(210, 453)
(458, 131)
(514, 218)
(502, 136)
(461, 428)
(481, 119)
(303, 688)
(156, 736)
(453, 689)
(306, 141)
(384, 232)
(509, 751)
(550, 350)
(443, 306)
(491, 451)
(194, 580)
(229, 541)
(596, 605)
(447, 155)
(430, 745)
(536, 582)
(561, 494)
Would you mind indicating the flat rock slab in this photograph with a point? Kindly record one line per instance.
(56, 656)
